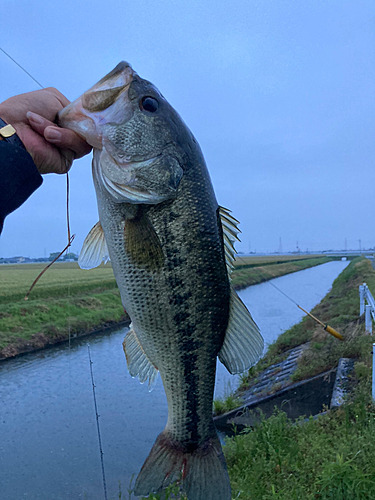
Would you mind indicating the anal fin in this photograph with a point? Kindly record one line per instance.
(243, 344)
(137, 360)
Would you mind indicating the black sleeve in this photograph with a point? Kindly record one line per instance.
(19, 178)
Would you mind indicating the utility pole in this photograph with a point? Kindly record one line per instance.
(360, 246)
(280, 246)
(346, 246)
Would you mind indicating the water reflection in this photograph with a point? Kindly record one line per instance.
(48, 441)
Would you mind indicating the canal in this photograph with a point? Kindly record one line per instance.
(48, 436)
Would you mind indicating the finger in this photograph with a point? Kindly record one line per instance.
(37, 122)
(60, 137)
(48, 159)
(51, 160)
(59, 96)
(67, 158)
(64, 138)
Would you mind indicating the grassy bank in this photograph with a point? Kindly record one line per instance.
(340, 309)
(68, 299)
(329, 458)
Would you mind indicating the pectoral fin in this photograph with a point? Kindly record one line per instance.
(243, 343)
(94, 249)
(142, 243)
(137, 360)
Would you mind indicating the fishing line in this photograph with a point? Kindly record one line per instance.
(23, 69)
(70, 238)
(97, 422)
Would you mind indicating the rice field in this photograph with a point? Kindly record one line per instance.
(59, 280)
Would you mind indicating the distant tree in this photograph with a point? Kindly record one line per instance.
(53, 255)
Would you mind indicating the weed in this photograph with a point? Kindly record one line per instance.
(342, 479)
(327, 456)
(361, 369)
(228, 403)
(172, 492)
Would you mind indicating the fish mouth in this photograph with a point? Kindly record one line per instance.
(106, 101)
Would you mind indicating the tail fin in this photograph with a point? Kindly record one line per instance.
(204, 471)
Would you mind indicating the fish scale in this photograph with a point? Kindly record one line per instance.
(171, 248)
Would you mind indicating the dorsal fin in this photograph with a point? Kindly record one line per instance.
(94, 249)
(230, 236)
(137, 360)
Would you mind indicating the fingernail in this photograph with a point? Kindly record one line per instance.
(52, 134)
(33, 117)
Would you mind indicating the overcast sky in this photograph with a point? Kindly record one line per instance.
(279, 94)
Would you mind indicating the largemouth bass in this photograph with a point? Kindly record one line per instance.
(171, 248)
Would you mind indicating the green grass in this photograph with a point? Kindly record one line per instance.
(328, 458)
(225, 404)
(263, 260)
(59, 280)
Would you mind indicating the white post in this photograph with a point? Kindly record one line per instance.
(373, 373)
(368, 319)
(362, 299)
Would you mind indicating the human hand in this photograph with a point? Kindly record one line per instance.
(52, 148)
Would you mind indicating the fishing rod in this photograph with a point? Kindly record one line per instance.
(326, 327)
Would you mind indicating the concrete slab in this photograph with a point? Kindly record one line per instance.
(274, 388)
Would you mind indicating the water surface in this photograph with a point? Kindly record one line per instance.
(48, 437)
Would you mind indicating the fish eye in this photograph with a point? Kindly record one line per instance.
(149, 104)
